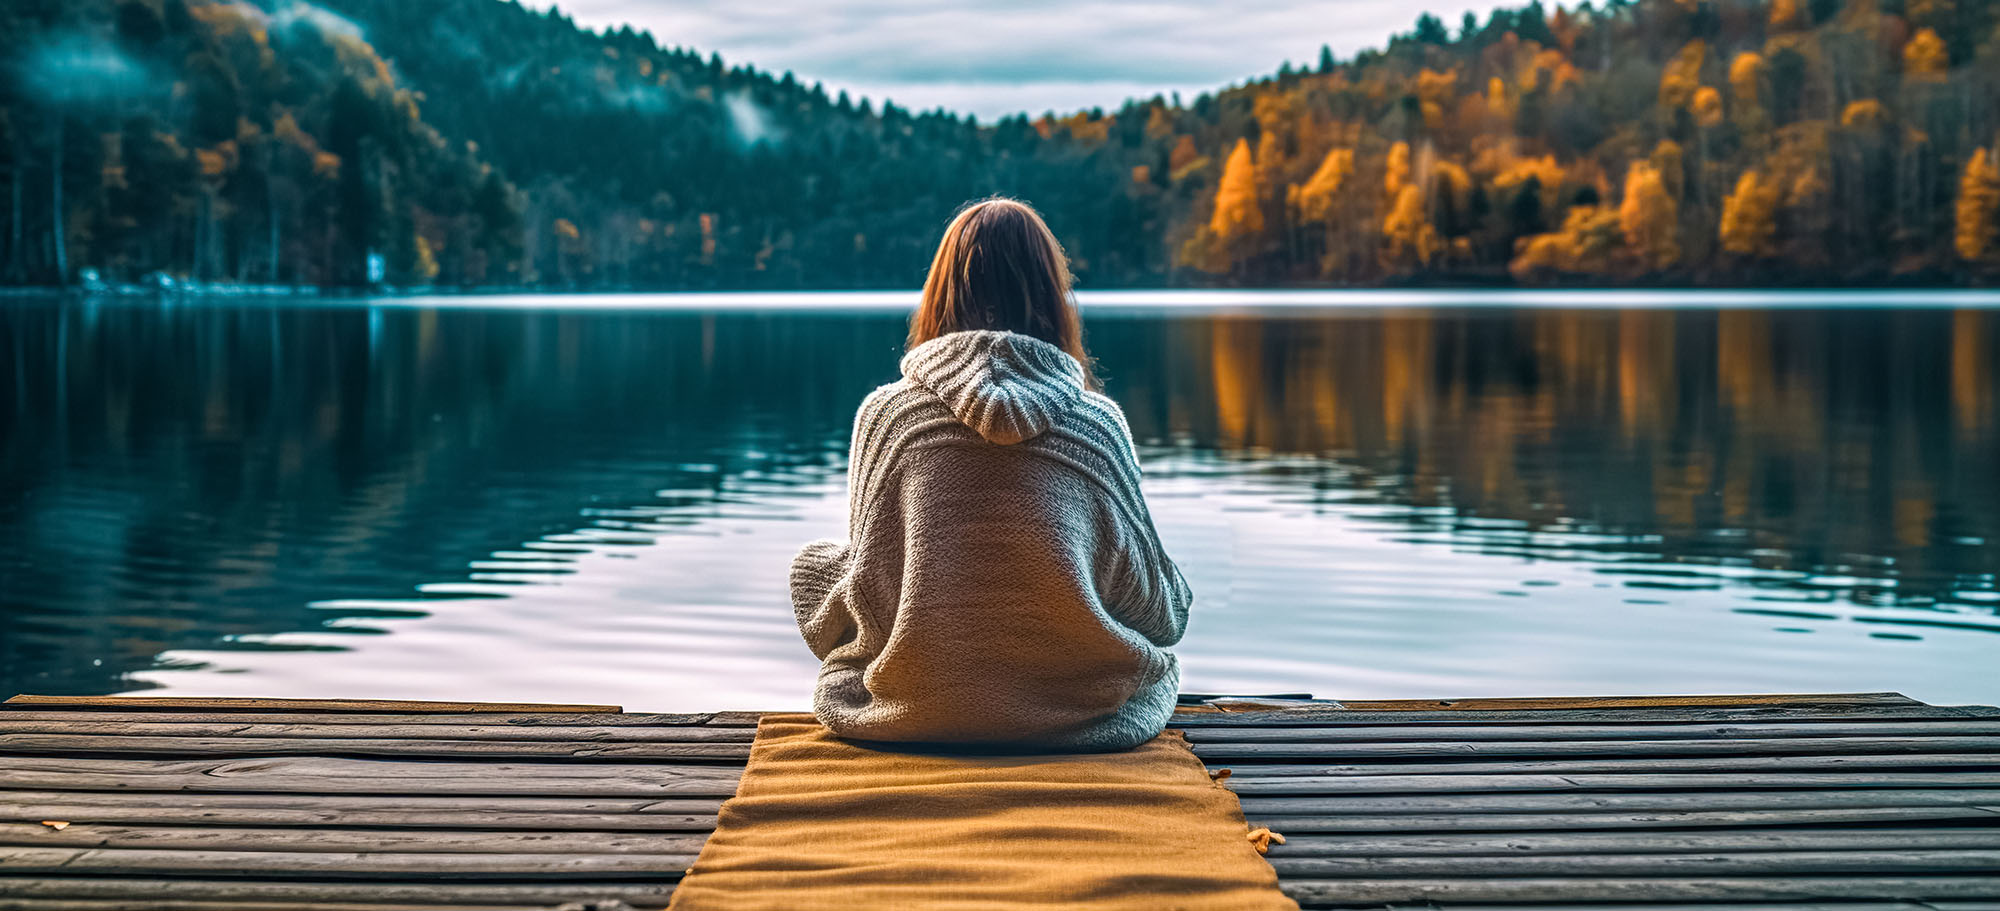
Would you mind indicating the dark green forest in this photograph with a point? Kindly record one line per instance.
(478, 144)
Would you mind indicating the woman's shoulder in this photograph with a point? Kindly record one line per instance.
(1100, 410)
(887, 398)
(896, 408)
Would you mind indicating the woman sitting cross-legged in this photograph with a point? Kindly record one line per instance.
(1003, 583)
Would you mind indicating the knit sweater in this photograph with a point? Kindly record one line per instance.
(1003, 583)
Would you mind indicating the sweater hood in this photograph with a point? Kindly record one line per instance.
(1007, 386)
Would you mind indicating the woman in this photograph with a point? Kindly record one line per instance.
(1003, 583)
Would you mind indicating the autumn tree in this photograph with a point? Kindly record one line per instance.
(1682, 75)
(1237, 213)
(1978, 206)
(1411, 239)
(1750, 216)
(1314, 200)
(1649, 218)
(1925, 57)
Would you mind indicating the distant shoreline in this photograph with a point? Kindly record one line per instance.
(1262, 300)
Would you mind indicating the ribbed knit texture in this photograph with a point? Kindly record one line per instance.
(1003, 582)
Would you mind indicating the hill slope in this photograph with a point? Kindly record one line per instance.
(474, 142)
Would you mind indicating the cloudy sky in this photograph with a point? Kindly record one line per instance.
(993, 59)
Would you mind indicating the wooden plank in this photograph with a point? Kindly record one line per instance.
(1988, 800)
(527, 720)
(44, 904)
(1623, 889)
(1707, 863)
(1614, 765)
(122, 904)
(10, 800)
(24, 888)
(1470, 749)
(1970, 727)
(334, 775)
(307, 746)
(210, 838)
(459, 818)
(1619, 702)
(1886, 905)
(686, 733)
(549, 733)
(282, 865)
(1612, 842)
(1802, 715)
(1250, 786)
(1799, 714)
(187, 704)
(1315, 716)
(1630, 819)
(45, 744)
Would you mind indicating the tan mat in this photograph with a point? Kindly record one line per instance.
(820, 823)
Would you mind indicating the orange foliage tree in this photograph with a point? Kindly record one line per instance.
(1978, 204)
(1314, 200)
(1925, 57)
(1750, 216)
(1649, 217)
(1237, 214)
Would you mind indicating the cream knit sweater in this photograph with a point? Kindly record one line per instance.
(1003, 583)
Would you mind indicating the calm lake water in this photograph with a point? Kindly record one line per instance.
(594, 500)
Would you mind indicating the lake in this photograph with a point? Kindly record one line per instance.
(1389, 494)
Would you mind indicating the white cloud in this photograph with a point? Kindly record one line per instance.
(996, 59)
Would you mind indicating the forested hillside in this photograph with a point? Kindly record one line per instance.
(474, 143)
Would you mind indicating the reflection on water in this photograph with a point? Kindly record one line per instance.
(462, 503)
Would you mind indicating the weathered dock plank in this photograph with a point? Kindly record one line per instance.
(1861, 802)
(171, 703)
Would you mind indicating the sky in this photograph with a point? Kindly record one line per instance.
(994, 59)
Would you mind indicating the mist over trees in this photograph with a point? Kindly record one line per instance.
(476, 143)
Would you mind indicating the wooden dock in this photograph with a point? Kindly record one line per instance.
(1858, 802)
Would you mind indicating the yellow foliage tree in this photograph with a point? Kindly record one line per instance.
(1865, 114)
(1707, 107)
(1750, 216)
(1314, 200)
(1682, 76)
(1396, 171)
(1184, 154)
(1584, 245)
(1548, 175)
(1978, 204)
(1785, 14)
(1667, 159)
(1925, 57)
(1746, 76)
(1648, 216)
(1236, 211)
(1496, 98)
(1412, 239)
(427, 264)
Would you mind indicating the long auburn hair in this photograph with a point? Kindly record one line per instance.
(1000, 267)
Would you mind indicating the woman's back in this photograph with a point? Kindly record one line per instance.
(1004, 583)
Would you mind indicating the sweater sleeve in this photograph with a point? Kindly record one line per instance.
(1153, 597)
(818, 573)
(818, 582)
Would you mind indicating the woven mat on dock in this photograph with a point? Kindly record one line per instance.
(819, 823)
